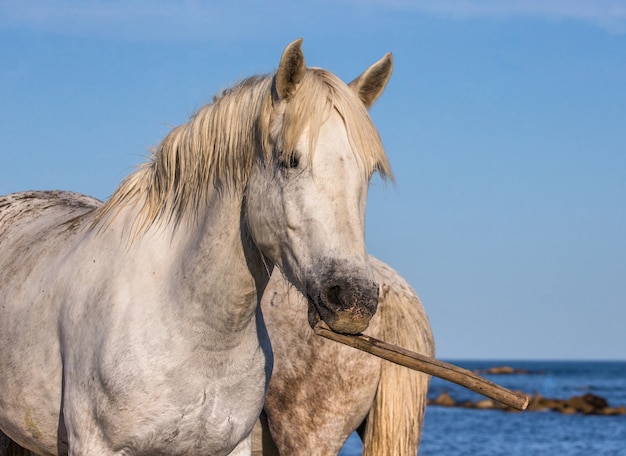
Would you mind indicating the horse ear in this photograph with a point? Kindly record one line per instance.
(290, 70)
(370, 85)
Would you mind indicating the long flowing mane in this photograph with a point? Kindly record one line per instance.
(216, 148)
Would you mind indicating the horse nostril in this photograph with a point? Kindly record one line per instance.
(332, 294)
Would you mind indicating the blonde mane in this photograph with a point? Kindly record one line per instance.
(216, 148)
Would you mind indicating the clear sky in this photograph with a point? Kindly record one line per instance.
(505, 123)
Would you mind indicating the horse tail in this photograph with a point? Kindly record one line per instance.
(394, 423)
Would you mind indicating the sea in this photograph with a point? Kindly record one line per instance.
(474, 432)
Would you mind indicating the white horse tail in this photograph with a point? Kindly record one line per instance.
(394, 423)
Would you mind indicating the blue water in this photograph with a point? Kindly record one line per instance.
(460, 431)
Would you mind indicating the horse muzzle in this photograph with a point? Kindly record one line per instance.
(346, 305)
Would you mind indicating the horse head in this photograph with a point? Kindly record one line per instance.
(307, 190)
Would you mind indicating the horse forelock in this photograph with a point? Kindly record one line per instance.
(216, 148)
(320, 92)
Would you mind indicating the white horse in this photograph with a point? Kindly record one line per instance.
(132, 327)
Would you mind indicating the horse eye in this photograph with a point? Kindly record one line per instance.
(292, 161)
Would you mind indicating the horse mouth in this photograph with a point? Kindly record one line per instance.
(342, 319)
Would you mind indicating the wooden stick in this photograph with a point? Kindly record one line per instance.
(428, 365)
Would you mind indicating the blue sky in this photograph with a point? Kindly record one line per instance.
(505, 123)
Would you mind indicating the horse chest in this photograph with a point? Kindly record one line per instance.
(189, 419)
(199, 408)
(209, 427)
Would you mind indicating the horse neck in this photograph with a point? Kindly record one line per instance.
(223, 268)
(209, 266)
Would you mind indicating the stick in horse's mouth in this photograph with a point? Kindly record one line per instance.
(428, 365)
